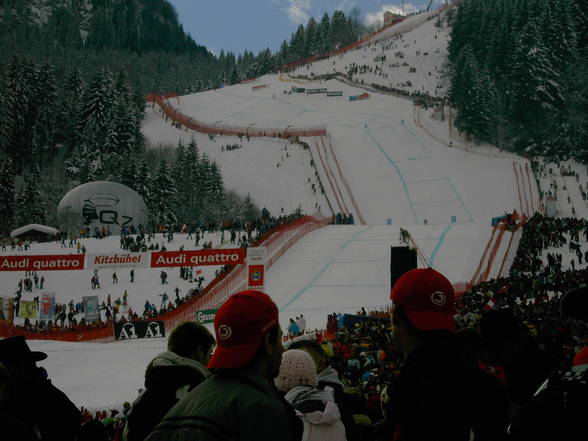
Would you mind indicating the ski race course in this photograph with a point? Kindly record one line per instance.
(381, 159)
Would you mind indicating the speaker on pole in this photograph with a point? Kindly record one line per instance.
(402, 260)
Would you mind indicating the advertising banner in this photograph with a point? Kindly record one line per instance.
(6, 309)
(254, 88)
(48, 262)
(313, 91)
(335, 93)
(298, 89)
(117, 260)
(134, 330)
(47, 307)
(91, 308)
(232, 256)
(27, 310)
(206, 316)
(256, 259)
(363, 96)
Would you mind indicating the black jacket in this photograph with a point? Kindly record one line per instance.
(168, 378)
(442, 394)
(42, 408)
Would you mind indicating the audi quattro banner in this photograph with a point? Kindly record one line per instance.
(162, 259)
(135, 330)
(48, 262)
(118, 260)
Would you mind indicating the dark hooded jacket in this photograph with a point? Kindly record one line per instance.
(169, 377)
(442, 395)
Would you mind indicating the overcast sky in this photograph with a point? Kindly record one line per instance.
(236, 25)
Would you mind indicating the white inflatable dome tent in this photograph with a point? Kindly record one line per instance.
(104, 204)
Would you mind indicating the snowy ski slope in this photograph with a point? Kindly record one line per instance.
(387, 162)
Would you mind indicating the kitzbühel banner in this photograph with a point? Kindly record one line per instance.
(118, 260)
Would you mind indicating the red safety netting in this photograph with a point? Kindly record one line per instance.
(232, 130)
(103, 334)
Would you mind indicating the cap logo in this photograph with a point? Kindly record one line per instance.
(225, 332)
(438, 298)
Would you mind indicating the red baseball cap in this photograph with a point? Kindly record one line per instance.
(427, 297)
(240, 326)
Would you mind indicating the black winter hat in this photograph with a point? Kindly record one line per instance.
(574, 303)
(17, 349)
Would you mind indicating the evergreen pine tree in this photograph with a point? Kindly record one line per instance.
(7, 195)
(30, 203)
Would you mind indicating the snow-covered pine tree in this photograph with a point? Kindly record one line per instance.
(49, 111)
(163, 198)
(7, 195)
(30, 204)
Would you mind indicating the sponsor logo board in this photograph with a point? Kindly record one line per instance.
(136, 330)
(232, 256)
(136, 260)
(48, 262)
(206, 316)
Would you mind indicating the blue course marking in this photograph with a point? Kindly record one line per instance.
(303, 290)
(393, 163)
(441, 240)
(446, 177)
(437, 202)
(426, 180)
(413, 159)
(320, 273)
(354, 236)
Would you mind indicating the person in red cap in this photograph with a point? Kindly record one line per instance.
(239, 401)
(441, 393)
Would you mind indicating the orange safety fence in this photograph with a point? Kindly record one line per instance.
(346, 185)
(492, 256)
(277, 242)
(483, 258)
(232, 130)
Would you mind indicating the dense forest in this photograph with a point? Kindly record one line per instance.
(519, 74)
(71, 103)
(75, 73)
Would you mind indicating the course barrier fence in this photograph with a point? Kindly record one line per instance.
(232, 130)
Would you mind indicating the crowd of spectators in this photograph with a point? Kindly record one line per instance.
(70, 317)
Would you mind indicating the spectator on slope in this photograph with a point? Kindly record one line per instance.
(239, 400)
(316, 407)
(293, 329)
(33, 400)
(169, 377)
(558, 409)
(440, 383)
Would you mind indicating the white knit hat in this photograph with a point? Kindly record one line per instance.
(297, 369)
